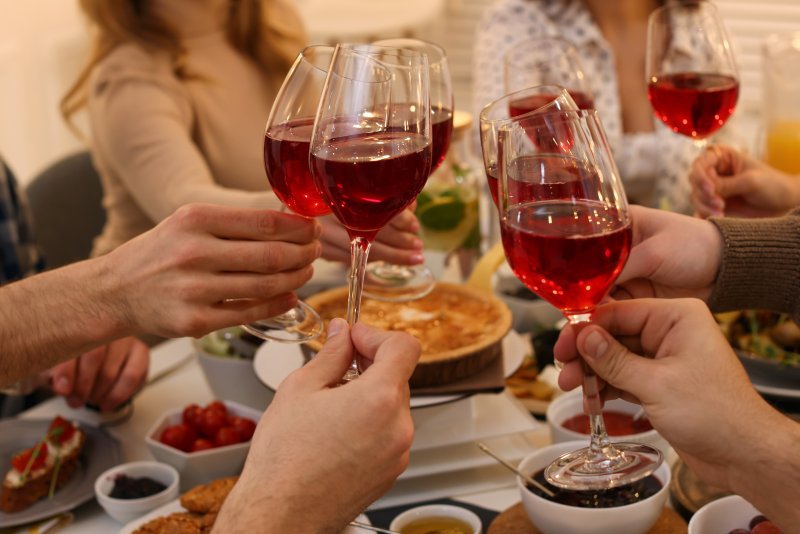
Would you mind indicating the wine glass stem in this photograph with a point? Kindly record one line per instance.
(359, 252)
(599, 444)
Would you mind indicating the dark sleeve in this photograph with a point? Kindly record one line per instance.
(760, 266)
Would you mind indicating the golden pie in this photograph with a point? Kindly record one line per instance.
(459, 328)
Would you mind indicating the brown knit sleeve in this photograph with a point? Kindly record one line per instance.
(760, 265)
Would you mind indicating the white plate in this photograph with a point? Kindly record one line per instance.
(100, 452)
(274, 362)
(788, 393)
(175, 506)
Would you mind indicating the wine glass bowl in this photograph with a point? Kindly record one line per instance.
(566, 232)
(371, 152)
(692, 79)
(546, 61)
(515, 106)
(287, 138)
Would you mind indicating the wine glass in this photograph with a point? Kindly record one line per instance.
(546, 61)
(513, 106)
(692, 79)
(287, 137)
(399, 283)
(371, 146)
(566, 232)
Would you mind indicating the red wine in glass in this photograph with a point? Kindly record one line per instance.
(441, 133)
(286, 149)
(345, 171)
(568, 253)
(492, 177)
(527, 104)
(694, 104)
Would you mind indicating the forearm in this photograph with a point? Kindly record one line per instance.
(57, 315)
(767, 473)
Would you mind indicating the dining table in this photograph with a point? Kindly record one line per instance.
(176, 379)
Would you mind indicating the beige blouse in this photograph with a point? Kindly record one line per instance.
(160, 142)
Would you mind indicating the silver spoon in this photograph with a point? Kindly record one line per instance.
(524, 477)
(365, 526)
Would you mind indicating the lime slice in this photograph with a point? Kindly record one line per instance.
(442, 213)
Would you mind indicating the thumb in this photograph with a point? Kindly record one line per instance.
(62, 377)
(611, 360)
(731, 186)
(330, 363)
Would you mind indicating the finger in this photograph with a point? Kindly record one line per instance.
(116, 355)
(131, 378)
(244, 285)
(200, 320)
(564, 349)
(63, 377)
(405, 221)
(89, 365)
(257, 256)
(571, 375)
(731, 186)
(394, 355)
(327, 368)
(393, 237)
(397, 256)
(244, 223)
(611, 360)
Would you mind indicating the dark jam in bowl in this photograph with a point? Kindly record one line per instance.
(126, 487)
(611, 498)
(617, 423)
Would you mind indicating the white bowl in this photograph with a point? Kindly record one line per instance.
(554, 518)
(436, 510)
(233, 379)
(723, 515)
(202, 466)
(126, 510)
(570, 404)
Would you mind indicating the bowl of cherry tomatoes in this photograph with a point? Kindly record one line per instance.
(204, 442)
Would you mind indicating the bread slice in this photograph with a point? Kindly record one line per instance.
(16, 497)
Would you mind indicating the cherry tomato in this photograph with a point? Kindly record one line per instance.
(60, 430)
(217, 406)
(23, 461)
(756, 520)
(227, 436)
(191, 416)
(202, 444)
(180, 436)
(244, 426)
(211, 421)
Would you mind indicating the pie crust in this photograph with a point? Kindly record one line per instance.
(459, 328)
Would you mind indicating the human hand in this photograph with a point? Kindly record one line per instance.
(728, 182)
(323, 452)
(672, 255)
(396, 243)
(686, 379)
(207, 267)
(106, 376)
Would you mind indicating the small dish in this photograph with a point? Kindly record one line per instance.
(435, 512)
(551, 517)
(201, 466)
(723, 515)
(570, 404)
(126, 510)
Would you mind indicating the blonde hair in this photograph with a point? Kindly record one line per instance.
(259, 29)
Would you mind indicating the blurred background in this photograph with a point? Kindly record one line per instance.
(43, 43)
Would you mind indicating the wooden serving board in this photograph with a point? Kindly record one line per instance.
(515, 521)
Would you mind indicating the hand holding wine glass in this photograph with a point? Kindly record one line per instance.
(566, 232)
(371, 146)
(692, 79)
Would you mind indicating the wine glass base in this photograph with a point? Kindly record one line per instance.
(397, 283)
(617, 465)
(298, 325)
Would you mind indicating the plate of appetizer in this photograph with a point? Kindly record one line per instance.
(50, 466)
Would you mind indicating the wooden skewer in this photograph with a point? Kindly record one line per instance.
(524, 477)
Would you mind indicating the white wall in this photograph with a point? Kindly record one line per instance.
(43, 42)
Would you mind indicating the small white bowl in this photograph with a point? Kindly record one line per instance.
(126, 510)
(570, 404)
(202, 466)
(555, 518)
(436, 510)
(723, 515)
(233, 379)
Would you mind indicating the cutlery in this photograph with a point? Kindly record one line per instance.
(524, 477)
